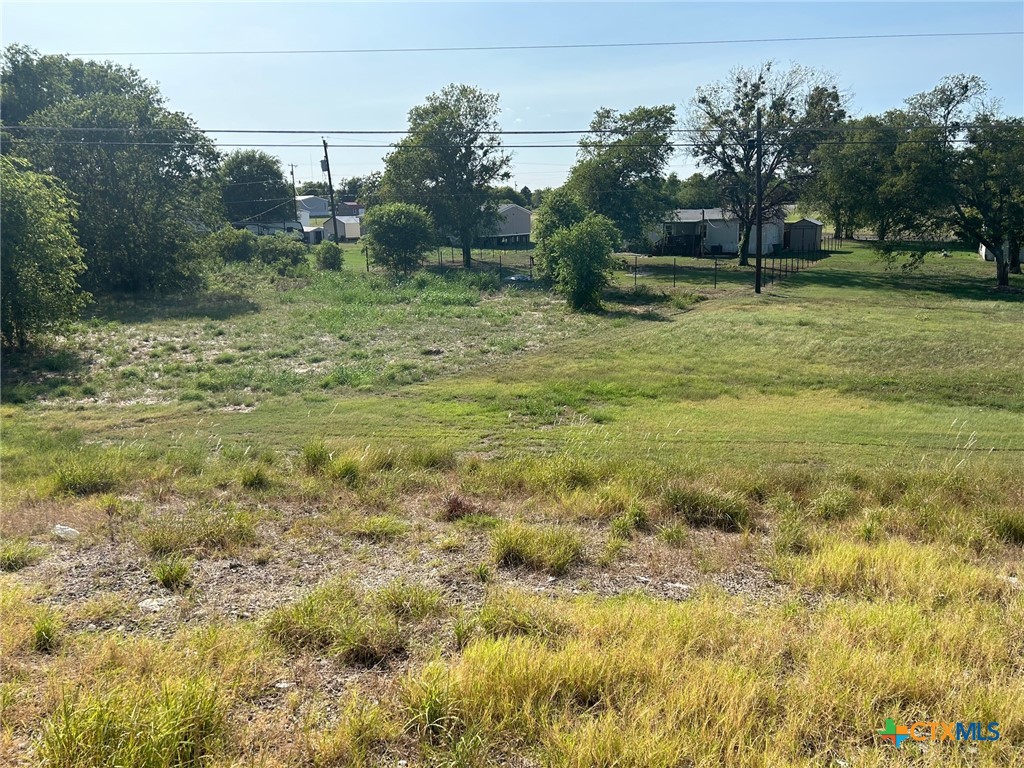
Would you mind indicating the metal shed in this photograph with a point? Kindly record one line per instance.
(803, 236)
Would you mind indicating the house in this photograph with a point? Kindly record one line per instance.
(269, 227)
(348, 228)
(802, 236)
(349, 208)
(696, 231)
(512, 226)
(989, 255)
(313, 235)
(314, 206)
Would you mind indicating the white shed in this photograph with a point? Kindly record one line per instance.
(348, 228)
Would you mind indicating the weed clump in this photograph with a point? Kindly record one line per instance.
(508, 613)
(178, 726)
(19, 553)
(201, 527)
(704, 507)
(315, 457)
(409, 601)
(46, 632)
(454, 506)
(173, 572)
(835, 503)
(85, 474)
(379, 528)
(550, 549)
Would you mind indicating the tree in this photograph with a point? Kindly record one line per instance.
(449, 161)
(696, 191)
(581, 260)
(142, 185)
(41, 260)
(507, 194)
(527, 196)
(958, 167)
(721, 123)
(619, 168)
(398, 235)
(253, 187)
(562, 209)
(31, 83)
(316, 188)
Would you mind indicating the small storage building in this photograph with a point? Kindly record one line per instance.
(803, 236)
(348, 228)
(512, 226)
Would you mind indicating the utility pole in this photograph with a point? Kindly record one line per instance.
(295, 203)
(325, 165)
(760, 204)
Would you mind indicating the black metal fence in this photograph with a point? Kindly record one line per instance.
(779, 264)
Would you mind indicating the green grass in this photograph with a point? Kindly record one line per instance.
(173, 572)
(842, 452)
(18, 553)
(550, 549)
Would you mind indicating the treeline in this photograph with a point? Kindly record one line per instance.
(107, 189)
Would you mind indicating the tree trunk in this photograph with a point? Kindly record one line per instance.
(1013, 243)
(837, 219)
(467, 254)
(744, 244)
(1002, 269)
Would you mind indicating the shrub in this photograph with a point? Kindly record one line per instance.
(704, 507)
(330, 256)
(550, 549)
(280, 251)
(580, 260)
(230, 244)
(16, 554)
(398, 235)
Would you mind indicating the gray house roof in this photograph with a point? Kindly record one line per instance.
(694, 214)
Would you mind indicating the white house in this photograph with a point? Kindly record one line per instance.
(988, 254)
(685, 230)
(312, 205)
(513, 225)
(348, 228)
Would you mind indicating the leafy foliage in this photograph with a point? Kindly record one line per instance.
(449, 161)
(722, 119)
(580, 260)
(398, 236)
(41, 259)
(253, 187)
(619, 172)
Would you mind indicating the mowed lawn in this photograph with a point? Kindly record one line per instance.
(444, 521)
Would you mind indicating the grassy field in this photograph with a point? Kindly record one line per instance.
(335, 519)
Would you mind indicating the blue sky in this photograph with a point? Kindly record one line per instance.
(540, 90)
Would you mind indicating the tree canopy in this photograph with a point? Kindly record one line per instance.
(797, 103)
(253, 187)
(41, 258)
(449, 162)
(620, 167)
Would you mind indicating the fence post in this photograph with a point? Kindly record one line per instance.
(673, 271)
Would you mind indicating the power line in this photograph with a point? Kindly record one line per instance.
(554, 46)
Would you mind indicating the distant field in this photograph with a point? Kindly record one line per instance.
(444, 521)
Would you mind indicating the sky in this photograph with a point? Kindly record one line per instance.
(539, 89)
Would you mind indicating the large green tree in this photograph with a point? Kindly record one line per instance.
(140, 173)
(449, 162)
(799, 106)
(253, 187)
(40, 260)
(620, 167)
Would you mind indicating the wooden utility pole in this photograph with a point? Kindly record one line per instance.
(760, 204)
(295, 203)
(325, 165)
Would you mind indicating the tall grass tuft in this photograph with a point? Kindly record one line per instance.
(549, 548)
(181, 725)
(46, 632)
(173, 572)
(18, 553)
(87, 473)
(315, 457)
(704, 507)
(201, 527)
